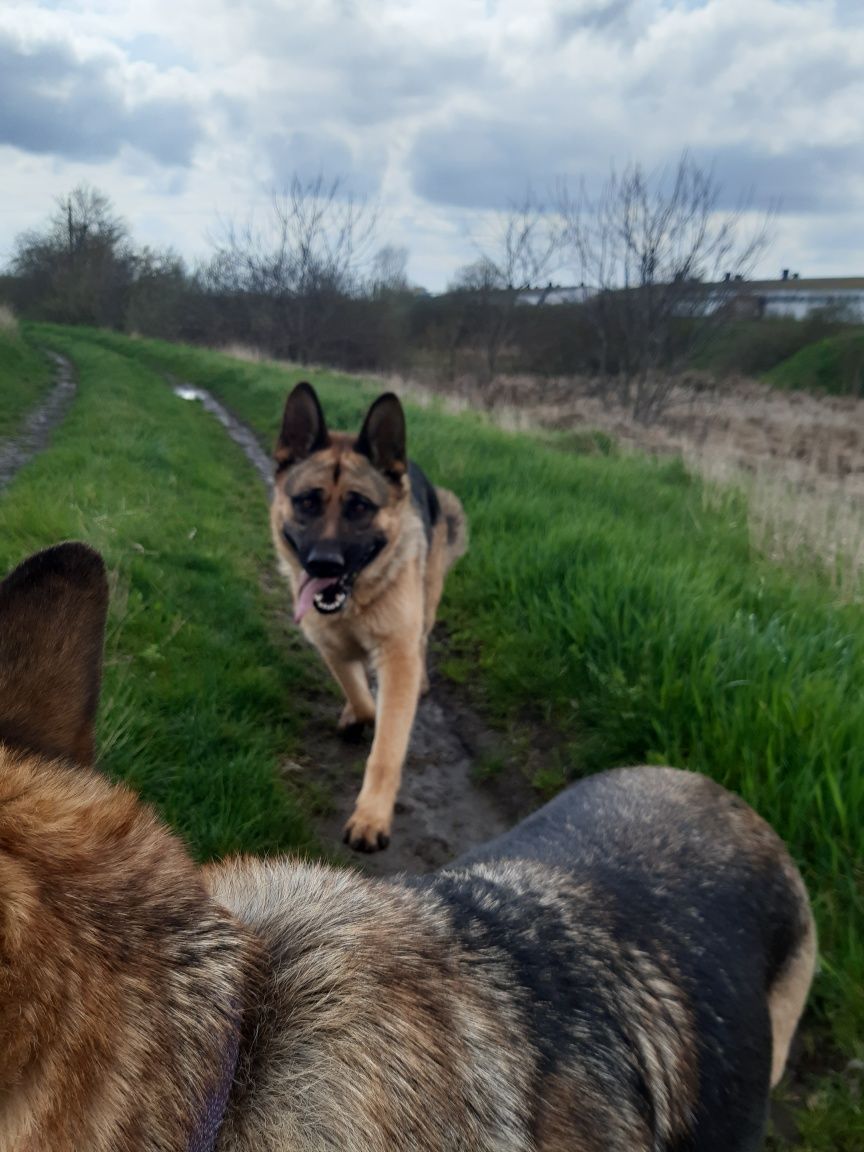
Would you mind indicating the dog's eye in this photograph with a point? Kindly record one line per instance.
(357, 507)
(308, 503)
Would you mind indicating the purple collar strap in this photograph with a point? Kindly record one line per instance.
(209, 1125)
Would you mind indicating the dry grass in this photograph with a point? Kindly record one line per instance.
(244, 352)
(798, 457)
(8, 320)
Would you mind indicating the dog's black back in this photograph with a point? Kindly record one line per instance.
(424, 498)
(643, 863)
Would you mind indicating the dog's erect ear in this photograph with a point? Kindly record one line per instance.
(303, 428)
(382, 437)
(52, 626)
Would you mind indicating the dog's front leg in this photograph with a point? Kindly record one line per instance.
(400, 672)
(360, 704)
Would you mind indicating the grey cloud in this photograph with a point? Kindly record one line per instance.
(599, 15)
(376, 77)
(382, 85)
(51, 102)
(808, 179)
(311, 154)
(488, 164)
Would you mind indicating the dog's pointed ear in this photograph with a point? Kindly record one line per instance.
(304, 430)
(52, 629)
(382, 437)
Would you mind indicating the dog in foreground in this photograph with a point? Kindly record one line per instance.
(365, 541)
(623, 971)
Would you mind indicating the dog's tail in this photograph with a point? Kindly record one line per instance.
(456, 523)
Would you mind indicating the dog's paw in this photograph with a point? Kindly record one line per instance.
(367, 831)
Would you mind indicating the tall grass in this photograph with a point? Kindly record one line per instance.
(605, 596)
(199, 704)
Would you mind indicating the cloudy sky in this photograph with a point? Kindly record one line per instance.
(188, 112)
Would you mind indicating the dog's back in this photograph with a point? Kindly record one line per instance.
(661, 882)
(614, 973)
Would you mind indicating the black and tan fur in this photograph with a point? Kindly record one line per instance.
(622, 972)
(355, 510)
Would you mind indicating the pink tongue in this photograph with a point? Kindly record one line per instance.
(308, 591)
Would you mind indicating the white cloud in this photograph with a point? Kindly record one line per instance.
(444, 109)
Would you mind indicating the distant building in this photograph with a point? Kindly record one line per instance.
(791, 296)
(788, 296)
(556, 294)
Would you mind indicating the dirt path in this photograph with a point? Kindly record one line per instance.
(441, 810)
(39, 423)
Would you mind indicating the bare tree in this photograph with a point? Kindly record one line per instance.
(389, 270)
(522, 251)
(78, 268)
(160, 297)
(309, 253)
(663, 262)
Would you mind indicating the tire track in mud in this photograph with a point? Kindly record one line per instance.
(39, 423)
(441, 811)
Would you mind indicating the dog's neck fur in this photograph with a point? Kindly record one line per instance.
(365, 1020)
(134, 998)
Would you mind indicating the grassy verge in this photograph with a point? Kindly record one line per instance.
(197, 700)
(25, 376)
(832, 365)
(753, 347)
(608, 598)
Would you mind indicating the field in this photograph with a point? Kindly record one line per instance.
(612, 601)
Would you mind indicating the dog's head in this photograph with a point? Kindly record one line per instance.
(338, 498)
(52, 621)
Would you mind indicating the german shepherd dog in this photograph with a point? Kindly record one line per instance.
(365, 541)
(623, 972)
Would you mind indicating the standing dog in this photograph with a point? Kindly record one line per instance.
(623, 972)
(366, 542)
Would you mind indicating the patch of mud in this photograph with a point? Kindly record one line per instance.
(35, 433)
(442, 810)
(238, 431)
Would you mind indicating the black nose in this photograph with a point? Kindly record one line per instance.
(325, 559)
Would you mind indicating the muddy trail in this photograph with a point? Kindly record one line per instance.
(40, 422)
(443, 809)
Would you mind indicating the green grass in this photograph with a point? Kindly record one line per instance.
(752, 347)
(605, 597)
(832, 365)
(25, 376)
(197, 703)
(603, 592)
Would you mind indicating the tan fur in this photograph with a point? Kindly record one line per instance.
(788, 996)
(388, 618)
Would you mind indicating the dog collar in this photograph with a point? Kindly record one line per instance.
(206, 1132)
